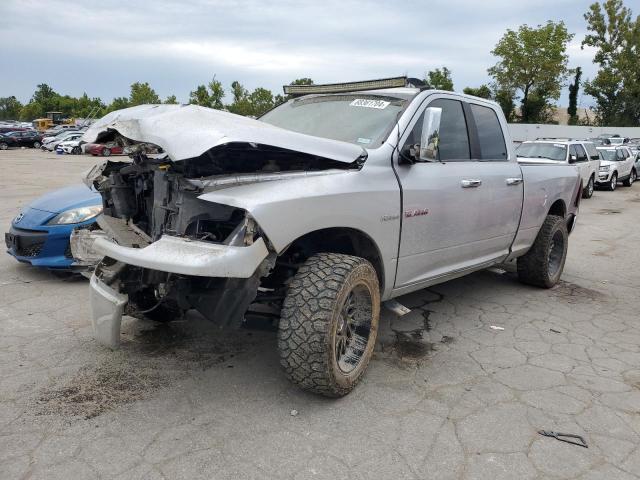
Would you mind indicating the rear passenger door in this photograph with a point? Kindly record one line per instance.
(463, 210)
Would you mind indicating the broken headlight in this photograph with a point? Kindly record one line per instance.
(76, 215)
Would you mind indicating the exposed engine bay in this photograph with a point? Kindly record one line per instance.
(152, 196)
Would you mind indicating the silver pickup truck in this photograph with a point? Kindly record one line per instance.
(341, 198)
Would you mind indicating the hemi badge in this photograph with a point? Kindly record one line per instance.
(416, 212)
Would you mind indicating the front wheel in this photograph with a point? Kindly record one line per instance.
(3, 146)
(76, 151)
(632, 178)
(613, 183)
(588, 191)
(543, 264)
(36, 144)
(329, 323)
(106, 152)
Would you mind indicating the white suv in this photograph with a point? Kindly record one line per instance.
(617, 165)
(581, 153)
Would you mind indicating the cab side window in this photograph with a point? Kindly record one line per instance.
(454, 138)
(490, 135)
(453, 143)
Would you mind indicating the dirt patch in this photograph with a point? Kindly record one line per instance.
(151, 356)
(93, 391)
(574, 293)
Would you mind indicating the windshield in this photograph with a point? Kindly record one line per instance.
(616, 141)
(550, 151)
(361, 119)
(608, 155)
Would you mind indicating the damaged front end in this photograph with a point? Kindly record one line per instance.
(166, 250)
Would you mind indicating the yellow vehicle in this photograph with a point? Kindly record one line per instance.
(53, 118)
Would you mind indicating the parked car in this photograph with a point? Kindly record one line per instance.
(60, 135)
(39, 234)
(581, 153)
(616, 140)
(103, 150)
(5, 130)
(59, 128)
(20, 139)
(69, 136)
(617, 165)
(71, 147)
(330, 203)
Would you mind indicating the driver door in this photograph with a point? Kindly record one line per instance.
(462, 210)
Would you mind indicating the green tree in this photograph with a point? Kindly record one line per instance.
(211, 97)
(171, 100)
(506, 98)
(261, 101)
(46, 97)
(200, 96)
(142, 93)
(118, 103)
(10, 108)
(533, 65)
(573, 98)
(440, 79)
(31, 111)
(241, 104)
(616, 87)
(217, 94)
(483, 91)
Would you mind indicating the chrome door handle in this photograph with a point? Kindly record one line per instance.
(470, 183)
(514, 181)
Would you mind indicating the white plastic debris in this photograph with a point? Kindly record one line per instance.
(294, 413)
(494, 327)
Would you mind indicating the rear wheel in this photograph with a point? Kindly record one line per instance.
(3, 146)
(76, 151)
(588, 190)
(106, 152)
(613, 183)
(543, 264)
(632, 178)
(329, 323)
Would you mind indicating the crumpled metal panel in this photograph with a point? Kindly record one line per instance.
(188, 131)
(189, 257)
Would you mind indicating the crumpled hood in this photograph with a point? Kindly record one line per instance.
(188, 131)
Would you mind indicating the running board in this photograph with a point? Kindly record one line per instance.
(396, 307)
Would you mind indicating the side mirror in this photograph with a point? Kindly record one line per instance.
(430, 136)
(573, 159)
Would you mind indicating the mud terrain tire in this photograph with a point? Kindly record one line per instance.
(329, 322)
(542, 265)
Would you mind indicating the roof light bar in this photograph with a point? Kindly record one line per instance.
(393, 82)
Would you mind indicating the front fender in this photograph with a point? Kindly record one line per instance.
(367, 200)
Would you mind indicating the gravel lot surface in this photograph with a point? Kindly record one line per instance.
(446, 396)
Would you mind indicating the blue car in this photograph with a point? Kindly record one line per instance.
(39, 235)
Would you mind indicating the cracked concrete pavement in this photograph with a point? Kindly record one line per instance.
(445, 397)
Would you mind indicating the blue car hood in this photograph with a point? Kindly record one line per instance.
(67, 198)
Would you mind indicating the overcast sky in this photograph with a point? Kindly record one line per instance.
(101, 47)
